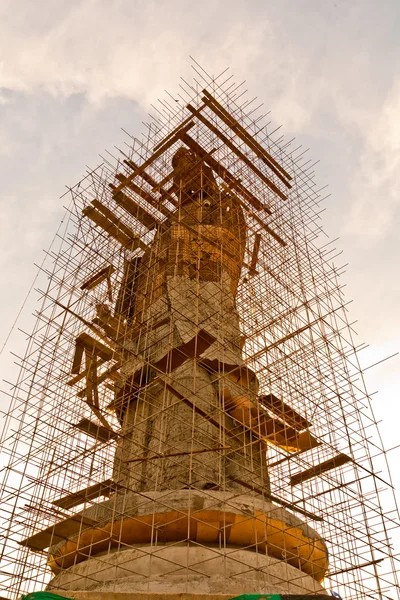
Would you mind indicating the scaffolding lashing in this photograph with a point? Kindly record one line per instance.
(190, 411)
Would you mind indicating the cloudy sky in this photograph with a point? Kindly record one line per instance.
(73, 73)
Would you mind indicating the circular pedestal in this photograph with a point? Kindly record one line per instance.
(186, 568)
(188, 541)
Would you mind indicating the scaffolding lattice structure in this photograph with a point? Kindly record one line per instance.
(192, 353)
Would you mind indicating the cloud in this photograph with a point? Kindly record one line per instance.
(122, 49)
(375, 188)
(132, 50)
(127, 49)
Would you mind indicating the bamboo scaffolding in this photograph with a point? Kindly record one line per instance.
(64, 426)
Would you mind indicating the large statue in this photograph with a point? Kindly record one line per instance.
(183, 290)
(192, 490)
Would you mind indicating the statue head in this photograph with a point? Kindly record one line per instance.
(192, 175)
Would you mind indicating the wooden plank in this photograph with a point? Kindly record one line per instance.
(98, 432)
(109, 374)
(81, 375)
(255, 418)
(58, 533)
(236, 151)
(114, 332)
(104, 488)
(254, 257)
(77, 359)
(248, 139)
(238, 373)
(126, 299)
(165, 180)
(174, 132)
(157, 187)
(118, 222)
(111, 229)
(272, 430)
(93, 350)
(87, 323)
(149, 198)
(161, 149)
(115, 327)
(172, 359)
(333, 463)
(97, 278)
(92, 394)
(305, 441)
(285, 412)
(137, 211)
(145, 176)
(178, 355)
(291, 441)
(284, 436)
(96, 411)
(223, 173)
(101, 221)
(94, 347)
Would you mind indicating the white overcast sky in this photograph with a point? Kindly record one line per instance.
(72, 73)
